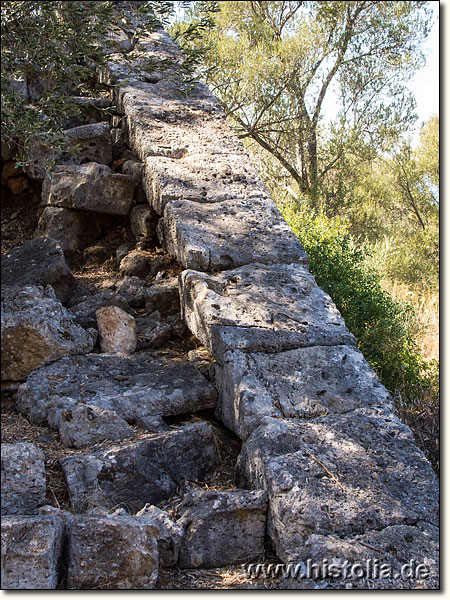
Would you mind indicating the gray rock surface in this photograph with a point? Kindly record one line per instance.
(84, 311)
(38, 262)
(225, 235)
(147, 470)
(134, 386)
(410, 553)
(170, 534)
(260, 308)
(199, 178)
(31, 551)
(133, 289)
(296, 384)
(93, 142)
(222, 528)
(164, 296)
(84, 425)
(143, 221)
(71, 229)
(111, 553)
(153, 331)
(23, 479)
(91, 187)
(37, 330)
(135, 264)
(341, 475)
(117, 330)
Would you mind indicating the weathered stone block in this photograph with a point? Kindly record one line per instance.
(342, 475)
(23, 479)
(31, 551)
(199, 179)
(143, 222)
(117, 330)
(135, 264)
(225, 235)
(170, 534)
(37, 330)
(135, 386)
(83, 425)
(91, 187)
(145, 471)
(133, 289)
(38, 262)
(111, 553)
(260, 308)
(222, 528)
(71, 229)
(296, 384)
(164, 296)
(84, 311)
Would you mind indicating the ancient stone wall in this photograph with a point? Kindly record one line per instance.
(325, 469)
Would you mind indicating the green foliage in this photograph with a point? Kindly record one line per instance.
(386, 330)
(53, 50)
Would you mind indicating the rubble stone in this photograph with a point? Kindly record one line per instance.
(143, 222)
(117, 330)
(222, 528)
(31, 551)
(71, 229)
(111, 552)
(39, 261)
(92, 187)
(170, 534)
(37, 330)
(147, 470)
(23, 479)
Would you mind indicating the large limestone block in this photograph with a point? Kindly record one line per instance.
(297, 384)
(342, 475)
(23, 479)
(111, 553)
(130, 387)
(225, 235)
(260, 308)
(38, 262)
(91, 187)
(222, 528)
(31, 551)
(200, 178)
(90, 143)
(38, 330)
(72, 229)
(409, 555)
(148, 470)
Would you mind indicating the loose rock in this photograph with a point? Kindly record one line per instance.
(31, 551)
(37, 330)
(23, 479)
(71, 229)
(117, 330)
(222, 528)
(170, 534)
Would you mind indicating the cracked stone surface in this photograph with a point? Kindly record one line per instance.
(225, 235)
(111, 552)
(144, 471)
(297, 384)
(38, 330)
(199, 179)
(170, 534)
(258, 308)
(31, 550)
(340, 475)
(23, 479)
(131, 387)
(39, 261)
(222, 528)
(92, 187)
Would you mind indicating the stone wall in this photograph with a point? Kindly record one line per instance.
(343, 475)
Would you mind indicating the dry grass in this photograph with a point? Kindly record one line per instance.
(426, 305)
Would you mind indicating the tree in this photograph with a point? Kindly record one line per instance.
(273, 64)
(52, 51)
